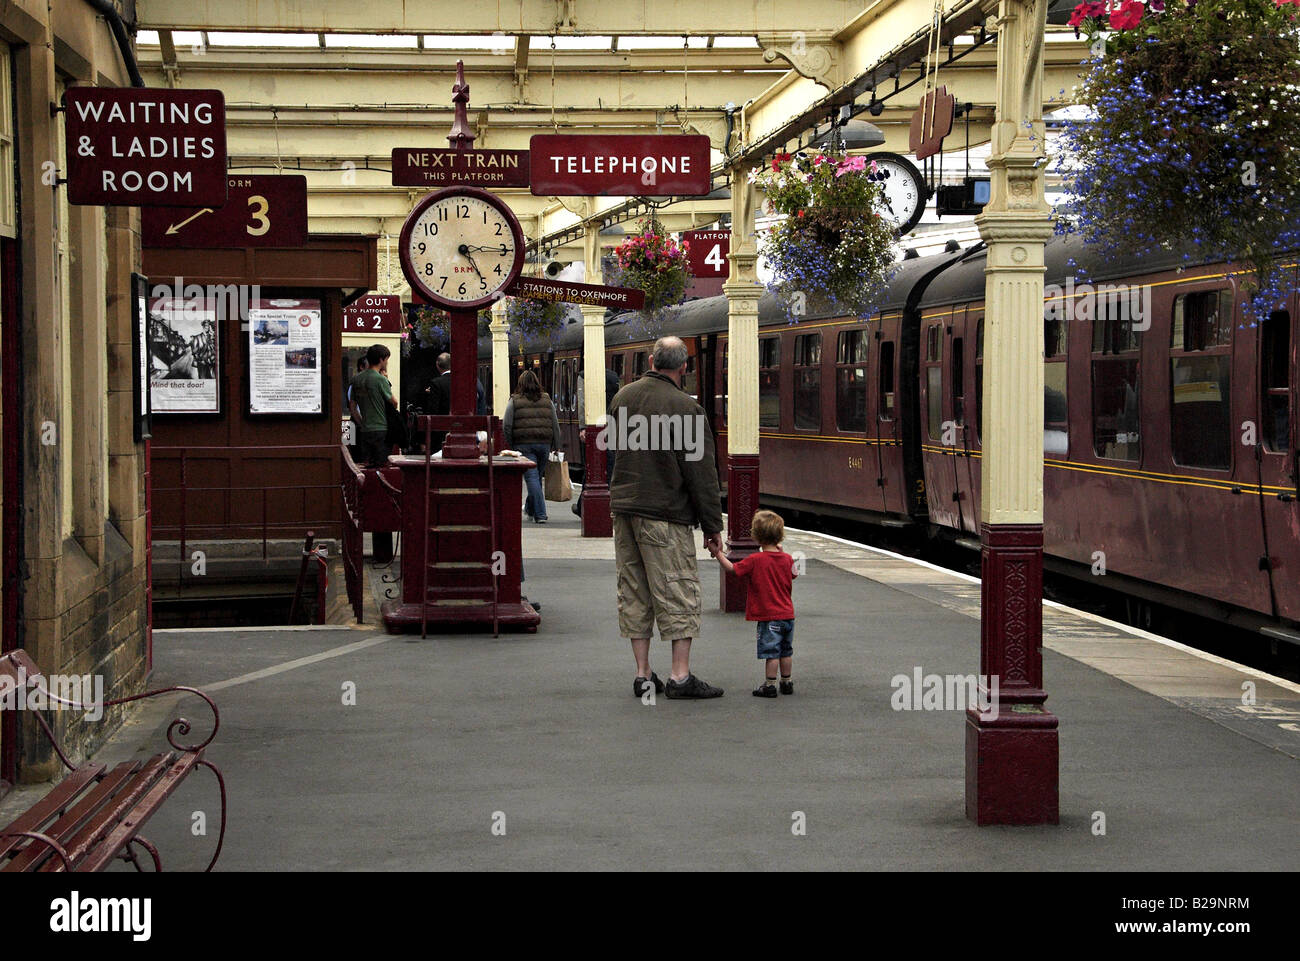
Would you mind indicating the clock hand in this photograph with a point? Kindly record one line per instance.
(464, 250)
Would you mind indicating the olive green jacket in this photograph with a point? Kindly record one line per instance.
(678, 484)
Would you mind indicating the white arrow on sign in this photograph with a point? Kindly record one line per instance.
(175, 228)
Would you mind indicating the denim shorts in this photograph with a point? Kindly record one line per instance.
(775, 639)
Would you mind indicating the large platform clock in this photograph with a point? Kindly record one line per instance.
(904, 188)
(461, 247)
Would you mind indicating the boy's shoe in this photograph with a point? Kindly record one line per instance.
(692, 687)
(787, 687)
(765, 690)
(639, 684)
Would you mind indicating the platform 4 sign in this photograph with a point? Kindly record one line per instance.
(373, 314)
(145, 148)
(622, 165)
(420, 167)
(589, 295)
(262, 210)
(707, 251)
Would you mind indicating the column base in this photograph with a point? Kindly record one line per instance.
(403, 618)
(742, 502)
(1012, 764)
(596, 520)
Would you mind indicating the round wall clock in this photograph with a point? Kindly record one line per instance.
(904, 187)
(461, 247)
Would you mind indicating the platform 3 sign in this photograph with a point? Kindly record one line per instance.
(420, 167)
(622, 165)
(588, 295)
(145, 148)
(261, 210)
(373, 314)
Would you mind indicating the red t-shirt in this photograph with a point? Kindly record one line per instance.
(770, 575)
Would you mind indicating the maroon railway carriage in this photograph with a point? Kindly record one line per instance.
(1170, 439)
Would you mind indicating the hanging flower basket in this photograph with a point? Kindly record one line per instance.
(532, 319)
(1195, 135)
(833, 252)
(653, 262)
(428, 328)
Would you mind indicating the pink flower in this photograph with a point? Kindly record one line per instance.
(1128, 16)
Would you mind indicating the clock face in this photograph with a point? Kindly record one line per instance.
(904, 190)
(460, 247)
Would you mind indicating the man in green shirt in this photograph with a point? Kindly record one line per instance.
(372, 392)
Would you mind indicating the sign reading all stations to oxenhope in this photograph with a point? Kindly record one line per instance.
(623, 165)
(261, 210)
(707, 252)
(138, 147)
(427, 167)
(373, 314)
(563, 291)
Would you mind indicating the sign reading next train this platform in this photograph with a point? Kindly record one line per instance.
(132, 147)
(622, 165)
(421, 167)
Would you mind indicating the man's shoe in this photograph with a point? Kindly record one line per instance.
(639, 684)
(765, 690)
(787, 687)
(692, 687)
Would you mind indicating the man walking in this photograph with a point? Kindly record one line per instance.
(438, 395)
(666, 484)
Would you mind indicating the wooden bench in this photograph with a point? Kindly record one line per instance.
(95, 814)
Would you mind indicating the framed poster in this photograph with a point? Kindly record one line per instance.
(284, 356)
(184, 352)
(142, 423)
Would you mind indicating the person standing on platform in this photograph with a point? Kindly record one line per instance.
(373, 393)
(770, 575)
(611, 388)
(438, 396)
(659, 493)
(532, 428)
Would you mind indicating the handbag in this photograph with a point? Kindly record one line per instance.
(556, 485)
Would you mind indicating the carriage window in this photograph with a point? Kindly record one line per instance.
(1056, 413)
(1200, 362)
(887, 380)
(979, 379)
(638, 364)
(691, 378)
(557, 374)
(808, 381)
(959, 380)
(851, 380)
(769, 382)
(1275, 402)
(616, 365)
(934, 381)
(1115, 383)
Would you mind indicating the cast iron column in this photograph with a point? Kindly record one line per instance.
(1011, 752)
(596, 521)
(743, 291)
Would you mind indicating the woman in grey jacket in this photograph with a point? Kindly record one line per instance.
(532, 428)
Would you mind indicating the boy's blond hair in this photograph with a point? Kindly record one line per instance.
(768, 528)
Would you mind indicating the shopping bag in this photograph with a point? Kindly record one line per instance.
(556, 485)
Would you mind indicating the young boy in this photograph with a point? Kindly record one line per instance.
(770, 575)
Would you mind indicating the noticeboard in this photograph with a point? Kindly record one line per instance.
(284, 356)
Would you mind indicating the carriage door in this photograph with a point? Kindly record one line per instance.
(1279, 440)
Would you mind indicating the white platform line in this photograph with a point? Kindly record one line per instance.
(297, 663)
(1095, 618)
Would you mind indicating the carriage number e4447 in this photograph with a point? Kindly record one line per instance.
(855, 463)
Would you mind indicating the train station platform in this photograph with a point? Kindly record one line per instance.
(539, 736)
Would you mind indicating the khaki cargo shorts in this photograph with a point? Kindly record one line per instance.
(658, 580)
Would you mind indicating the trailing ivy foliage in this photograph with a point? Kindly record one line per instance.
(1194, 138)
